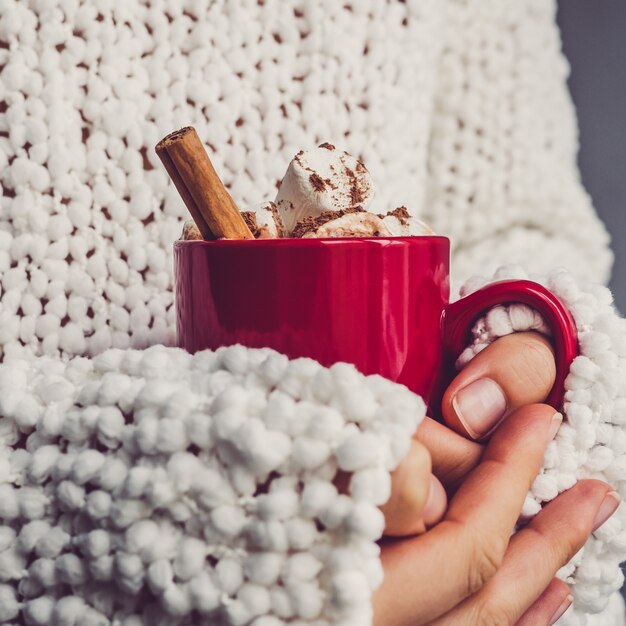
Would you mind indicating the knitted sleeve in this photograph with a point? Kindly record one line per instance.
(503, 181)
(591, 443)
(158, 488)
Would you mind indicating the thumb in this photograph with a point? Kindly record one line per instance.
(514, 370)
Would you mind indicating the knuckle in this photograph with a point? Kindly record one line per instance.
(560, 549)
(485, 560)
(489, 613)
(572, 541)
(578, 530)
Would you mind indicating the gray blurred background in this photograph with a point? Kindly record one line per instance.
(594, 40)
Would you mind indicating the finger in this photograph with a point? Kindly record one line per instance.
(466, 548)
(513, 371)
(418, 500)
(549, 541)
(453, 456)
(549, 606)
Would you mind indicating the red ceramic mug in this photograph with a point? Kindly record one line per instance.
(379, 303)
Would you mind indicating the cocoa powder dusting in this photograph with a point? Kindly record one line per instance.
(278, 219)
(317, 182)
(249, 217)
(402, 213)
(311, 224)
(356, 193)
(328, 146)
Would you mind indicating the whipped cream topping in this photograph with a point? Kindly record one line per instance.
(349, 223)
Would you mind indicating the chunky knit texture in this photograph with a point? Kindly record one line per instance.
(158, 488)
(471, 92)
(458, 107)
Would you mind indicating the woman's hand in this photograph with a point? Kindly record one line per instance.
(467, 569)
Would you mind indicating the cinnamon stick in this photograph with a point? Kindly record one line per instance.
(203, 227)
(201, 189)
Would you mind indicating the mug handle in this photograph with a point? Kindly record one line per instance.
(459, 317)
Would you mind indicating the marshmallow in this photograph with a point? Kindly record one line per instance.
(322, 179)
(264, 221)
(191, 231)
(401, 224)
(349, 223)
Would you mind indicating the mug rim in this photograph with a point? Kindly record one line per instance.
(299, 242)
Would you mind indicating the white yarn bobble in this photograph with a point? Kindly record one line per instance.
(176, 600)
(30, 534)
(371, 485)
(44, 572)
(311, 454)
(96, 543)
(358, 451)
(316, 497)
(263, 569)
(9, 505)
(70, 569)
(7, 536)
(39, 610)
(300, 567)
(9, 605)
(348, 589)
(306, 599)
(278, 505)
(130, 570)
(229, 575)
(12, 564)
(71, 496)
(102, 568)
(32, 502)
(52, 544)
(160, 576)
(69, 611)
(190, 558)
(112, 473)
(140, 536)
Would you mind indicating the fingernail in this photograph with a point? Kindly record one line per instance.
(479, 406)
(607, 508)
(557, 420)
(567, 602)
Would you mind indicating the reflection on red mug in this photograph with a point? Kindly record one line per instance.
(379, 303)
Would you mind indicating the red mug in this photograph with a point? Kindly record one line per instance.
(379, 303)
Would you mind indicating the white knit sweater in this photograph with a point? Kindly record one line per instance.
(459, 109)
